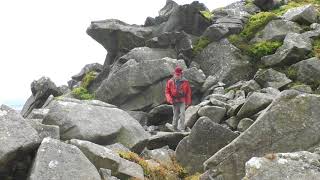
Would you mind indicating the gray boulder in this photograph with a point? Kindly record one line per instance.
(140, 116)
(57, 160)
(308, 71)
(187, 18)
(254, 103)
(38, 113)
(205, 139)
(215, 32)
(287, 125)
(129, 81)
(191, 115)
(164, 14)
(45, 130)
(277, 30)
(224, 62)
(267, 4)
(102, 157)
(295, 48)
(17, 136)
(162, 139)
(215, 113)
(116, 36)
(196, 78)
(232, 122)
(98, 124)
(41, 90)
(87, 68)
(305, 14)
(271, 78)
(302, 88)
(161, 155)
(250, 86)
(160, 115)
(295, 166)
(145, 53)
(244, 124)
(106, 174)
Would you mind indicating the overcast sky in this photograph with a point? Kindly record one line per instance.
(48, 38)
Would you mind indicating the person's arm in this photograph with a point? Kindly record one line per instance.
(168, 92)
(188, 95)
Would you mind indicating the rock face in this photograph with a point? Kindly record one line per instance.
(206, 139)
(57, 160)
(308, 71)
(87, 68)
(296, 165)
(287, 125)
(225, 62)
(162, 139)
(16, 136)
(164, 14)
(271, 78)
(305, 14)
(102, 157)
(45, 130)
(267, 4)
(215, 113)
(98, 124)
(41, 90)
(277, 30)
(187, 18)
(129, 82)
(295, 48)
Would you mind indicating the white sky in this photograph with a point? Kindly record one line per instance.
(48, 38)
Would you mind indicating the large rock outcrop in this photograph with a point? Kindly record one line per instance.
(225, 62)
(206, 139)
(57, 160)
(307, 14)
(289, 124)
(308, 71)
(295, 166)
(98, 124)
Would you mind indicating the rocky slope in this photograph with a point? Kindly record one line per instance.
(254, 69)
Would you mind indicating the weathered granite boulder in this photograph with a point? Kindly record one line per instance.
(87, 68)
(305, 14)
(162, 139)
(308, 71)
(271, 78)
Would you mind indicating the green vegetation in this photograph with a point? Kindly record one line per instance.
(292, 73)
(161, 172)
(199, 45)
(196, 176)
(82, 91)
(207, 14)
(256, 23)
(263, 48)
(293, 4)
(316, 48)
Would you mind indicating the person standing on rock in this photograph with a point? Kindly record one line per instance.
(178, 93)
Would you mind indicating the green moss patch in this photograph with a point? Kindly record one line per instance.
(263, 48)
(199, 45)
(207, 14)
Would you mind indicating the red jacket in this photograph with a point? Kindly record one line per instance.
(171, 92)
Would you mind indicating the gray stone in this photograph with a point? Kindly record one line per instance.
(116, 147)
(87, 68)
(271, 78)
(295, 166)
(288, 124)
(308, 71)
(305, 14)
(41, 90)
(45, 130)
(38, 113)
(16, 136)
(115, 35)
(254, 103)
(164, 14)
(145, 53)
(224, 62)
(295, 48)
(276, 30)
(191, 115)
(215, 32)
(302, 88)
(129, 81)
(267, 4)
(206, 139)
(98, 124)
(160, 115)
(233, 122)
(106, 174)
(250, 86)
(196, 78)
(215, 113)
(161, 155)
(186, 18)
(162, 139)
(57, 160)
(244, 124)
(270, 90)
(140, 116)
(99, 156)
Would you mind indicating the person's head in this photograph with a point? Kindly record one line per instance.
(178, 73)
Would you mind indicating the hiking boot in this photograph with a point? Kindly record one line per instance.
(170, 127)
